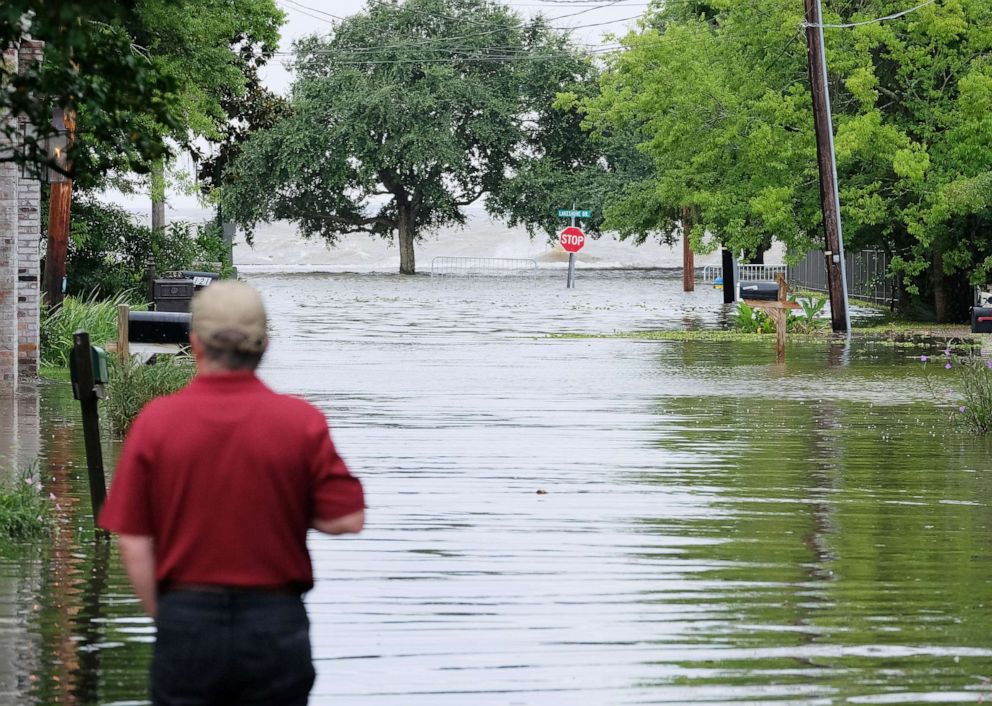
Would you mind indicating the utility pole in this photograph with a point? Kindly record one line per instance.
(829, 195)
(59, 207)
(688, 260)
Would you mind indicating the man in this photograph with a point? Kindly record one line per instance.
(213, 495)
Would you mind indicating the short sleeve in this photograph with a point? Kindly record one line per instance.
(128, 506)
(336, 492)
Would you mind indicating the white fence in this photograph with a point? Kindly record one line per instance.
(482, 267)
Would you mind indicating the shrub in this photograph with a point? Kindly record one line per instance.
(133, 384)
(749, 320)
(809, 320)
(97, 318)
(25, 513)
(108, 249)
(971, 389)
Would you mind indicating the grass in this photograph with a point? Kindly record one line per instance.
(970, 378)
(96, 317)
(132, 385)
(24, 512)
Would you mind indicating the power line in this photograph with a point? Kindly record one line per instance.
(874, 21)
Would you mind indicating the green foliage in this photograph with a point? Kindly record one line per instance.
(718, 96)
(25, 513)
(109, 250)
(969, 377)
(422, 102)
(133, 385)
(810, 319)
(91, 65)
(95, 316)
(747, 319)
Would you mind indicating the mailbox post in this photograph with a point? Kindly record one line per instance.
(88, 370)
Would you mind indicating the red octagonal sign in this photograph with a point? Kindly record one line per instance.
(572, 239)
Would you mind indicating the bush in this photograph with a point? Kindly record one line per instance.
(97, 318)
(24, 511)
(109, 250)
(749, 320)
(133, 384)
(971, 389)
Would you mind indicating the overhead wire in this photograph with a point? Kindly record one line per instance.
(893, 16)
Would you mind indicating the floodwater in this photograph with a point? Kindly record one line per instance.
(575, 520)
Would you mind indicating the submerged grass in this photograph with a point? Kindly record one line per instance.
(133, 385)
(25, 513)
(968, 385)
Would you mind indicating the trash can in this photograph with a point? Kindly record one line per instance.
(172, 294)
(981, 319)
(765, 291)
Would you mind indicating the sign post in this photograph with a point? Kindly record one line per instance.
(572, 239)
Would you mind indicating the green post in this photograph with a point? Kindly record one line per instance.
(85, 390)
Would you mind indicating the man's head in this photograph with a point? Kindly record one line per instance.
(228, 327)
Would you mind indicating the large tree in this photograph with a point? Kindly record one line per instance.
(402, 116)
(719, 93)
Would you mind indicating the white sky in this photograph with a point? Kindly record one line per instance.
(306, 17)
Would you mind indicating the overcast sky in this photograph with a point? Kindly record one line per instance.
(589, 20)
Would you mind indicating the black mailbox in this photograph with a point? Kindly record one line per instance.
(172, 294)
(158, 327)
(981, 319)
(764, 291)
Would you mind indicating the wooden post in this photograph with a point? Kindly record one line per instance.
(123, 348)
(86, 394)
(688, 261)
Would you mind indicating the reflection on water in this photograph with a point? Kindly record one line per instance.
(712, 527)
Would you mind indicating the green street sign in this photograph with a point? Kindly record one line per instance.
(574, 213)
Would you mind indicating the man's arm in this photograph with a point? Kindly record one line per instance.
(138, 555)
(348, 524)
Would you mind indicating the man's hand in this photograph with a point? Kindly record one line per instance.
(349, 524)
(138, 555)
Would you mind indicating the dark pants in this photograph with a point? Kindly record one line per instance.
(236, 648)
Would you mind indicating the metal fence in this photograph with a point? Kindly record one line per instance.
(745, 272)
(867, 275)
(482, 267)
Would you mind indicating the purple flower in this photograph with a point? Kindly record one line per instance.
(948, 366)
(988, 363)
(961, 410)
(924, 359)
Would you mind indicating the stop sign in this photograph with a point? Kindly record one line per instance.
(572, 239)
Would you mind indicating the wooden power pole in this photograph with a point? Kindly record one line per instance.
(59, 207)
(829, 195)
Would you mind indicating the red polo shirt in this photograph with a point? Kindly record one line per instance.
(227, 476)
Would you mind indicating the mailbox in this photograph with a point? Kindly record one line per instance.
(101, 370)
(981, 319)
(201, 279)
(764, 291)
(172, 294)
(158, 327)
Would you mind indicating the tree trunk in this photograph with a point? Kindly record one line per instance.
(405, 233)
(939, 287)
(759, 255)
(158, 194)
(688, 261)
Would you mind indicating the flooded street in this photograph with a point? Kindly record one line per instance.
(573, 520)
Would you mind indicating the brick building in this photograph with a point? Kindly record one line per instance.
(20, 233)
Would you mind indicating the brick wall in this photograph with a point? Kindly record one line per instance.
(20, 229)
(28, 256)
